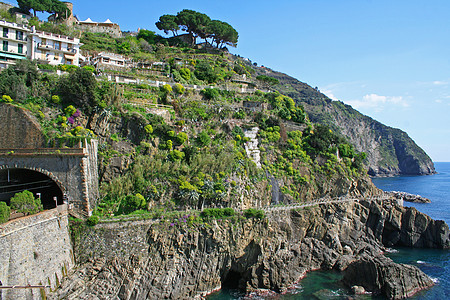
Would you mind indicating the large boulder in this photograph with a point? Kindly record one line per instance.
(380, 275)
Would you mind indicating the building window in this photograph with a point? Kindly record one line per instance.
(5, 32)
(19, 35)
(57, 45)
(20, 48)
(56, 57)
(5, 45)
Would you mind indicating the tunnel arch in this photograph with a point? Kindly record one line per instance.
(41, 183)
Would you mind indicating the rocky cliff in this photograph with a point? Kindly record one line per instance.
(390, 151)
(156, 260)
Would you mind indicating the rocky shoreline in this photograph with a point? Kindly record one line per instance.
(408, 197)
(148, 259)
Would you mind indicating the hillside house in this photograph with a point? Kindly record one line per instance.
(54, 49)
(108, 61)
(255, 106)
(14, 43)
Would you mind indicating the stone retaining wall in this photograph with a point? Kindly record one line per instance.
(35, 250)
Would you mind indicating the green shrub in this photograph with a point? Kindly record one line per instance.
(182, 137)
(217, 213)
(210, 93)
(166, 89)
(89, 68)
(92, 221)
(205, 71)
(132, 203)
(46, 67)
(56, 99)
(7, 99)
(240, 114)
(25, 202)
(69, 110)
(67, 68)
(5, 212)
(178, 89)
(176, 155)
(185, 73)
(254, 213)
(148, 128)
(203, 138)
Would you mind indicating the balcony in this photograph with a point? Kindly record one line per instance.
(69, 50)
(53, 36)
(42, 46)
(9, 37)
(12, 54)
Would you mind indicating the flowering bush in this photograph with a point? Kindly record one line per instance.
(56, 99)
(7, 99)
(70, 110)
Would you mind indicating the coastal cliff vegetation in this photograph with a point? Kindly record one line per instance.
(170, 147)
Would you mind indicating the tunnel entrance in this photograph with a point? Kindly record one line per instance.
(14, 181)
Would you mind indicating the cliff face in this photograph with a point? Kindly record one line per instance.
(152, 259)
(390, 151)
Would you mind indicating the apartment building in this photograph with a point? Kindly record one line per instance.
(54, 48)
(13, 43)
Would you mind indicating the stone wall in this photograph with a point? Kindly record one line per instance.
(90, 175)
(35, 250)
(19, 128)
(113, 30)
(5, 6)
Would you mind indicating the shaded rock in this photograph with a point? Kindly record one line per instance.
(150, 259)
(381, 275)
(358, 290)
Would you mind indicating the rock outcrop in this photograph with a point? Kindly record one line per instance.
(381, 275)
(152, 259)
(409, 197)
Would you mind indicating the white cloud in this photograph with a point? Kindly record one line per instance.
(439, 82)
(378, 102)
(438, 101)
(329, 94)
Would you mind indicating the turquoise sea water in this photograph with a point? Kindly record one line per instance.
(435, 263)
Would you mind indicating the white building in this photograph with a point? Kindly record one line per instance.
(14, 44)
(109, 61)
(54, 48)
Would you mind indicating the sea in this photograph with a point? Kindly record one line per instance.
(435, 263)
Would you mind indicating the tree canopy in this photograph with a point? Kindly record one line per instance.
(194, 23)
(50, 6)
(197, 24)
(267, 81)
(168, 23)
(79, 88)
(222, 33)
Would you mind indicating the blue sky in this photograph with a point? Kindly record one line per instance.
(388, 59)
